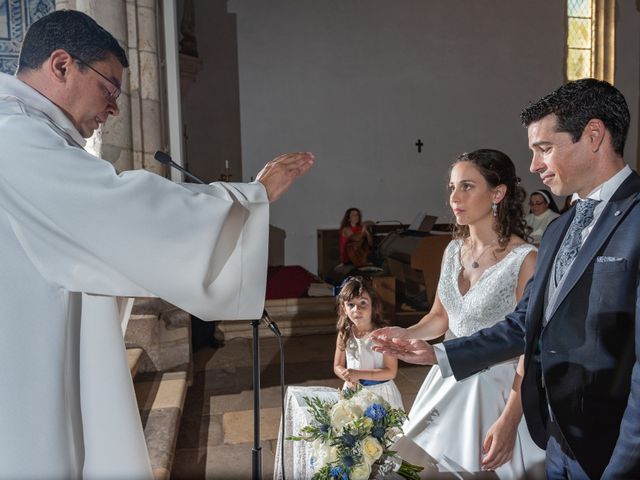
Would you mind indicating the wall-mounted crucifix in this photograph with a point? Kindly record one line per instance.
(419, 144)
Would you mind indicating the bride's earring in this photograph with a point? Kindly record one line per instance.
(494, 209)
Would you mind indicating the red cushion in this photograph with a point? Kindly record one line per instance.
(291, 281)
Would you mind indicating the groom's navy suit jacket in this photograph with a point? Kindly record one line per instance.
(583, 366)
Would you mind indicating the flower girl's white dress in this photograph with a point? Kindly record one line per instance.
(450, 419)
(360, 356)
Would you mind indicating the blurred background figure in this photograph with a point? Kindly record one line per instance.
(355, 239)
(542, 210)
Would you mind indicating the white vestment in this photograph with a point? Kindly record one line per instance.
(73, 234)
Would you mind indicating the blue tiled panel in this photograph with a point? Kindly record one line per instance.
(15, 17)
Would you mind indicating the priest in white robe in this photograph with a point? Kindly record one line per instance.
(74, 234)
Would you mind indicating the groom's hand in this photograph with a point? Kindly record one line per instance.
(410, 351)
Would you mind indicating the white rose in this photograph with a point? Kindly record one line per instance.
(341, 414)
(365, 397)
(371, 450)
(360, 471)
(323, 453)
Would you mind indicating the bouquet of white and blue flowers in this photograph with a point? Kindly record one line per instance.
(351, 438)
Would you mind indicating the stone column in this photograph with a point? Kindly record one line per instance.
(130, 139)
(146, 111)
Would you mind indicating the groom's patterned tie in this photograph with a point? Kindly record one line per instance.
(573, 239)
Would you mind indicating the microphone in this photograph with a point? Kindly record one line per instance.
(166, 160)
(270, 323)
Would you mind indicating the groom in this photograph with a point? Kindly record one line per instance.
(578, 320)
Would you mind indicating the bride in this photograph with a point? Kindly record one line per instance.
(477, 423)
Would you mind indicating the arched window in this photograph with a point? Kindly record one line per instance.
(590, 39)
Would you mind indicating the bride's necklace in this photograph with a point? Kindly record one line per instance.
(475, 260)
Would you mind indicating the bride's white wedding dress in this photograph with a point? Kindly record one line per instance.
(450, 419)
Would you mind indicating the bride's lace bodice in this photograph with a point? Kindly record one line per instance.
(488, 300)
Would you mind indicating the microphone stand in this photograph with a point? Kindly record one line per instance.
(256, 452)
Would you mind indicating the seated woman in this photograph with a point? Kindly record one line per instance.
(542, 210)
(355, 239)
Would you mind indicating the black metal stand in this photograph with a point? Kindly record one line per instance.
(256, 453)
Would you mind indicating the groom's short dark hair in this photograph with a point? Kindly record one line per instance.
(575, 103)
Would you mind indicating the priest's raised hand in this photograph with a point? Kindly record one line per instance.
(280, 173)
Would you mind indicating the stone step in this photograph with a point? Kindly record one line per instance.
(134, 357)
(161, 400)
(294, 316)
(290, 326)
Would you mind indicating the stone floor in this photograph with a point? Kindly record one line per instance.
(216, 433)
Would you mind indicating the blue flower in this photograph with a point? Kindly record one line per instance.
(378, 432)
(336, 472)
(324, 428)
(375, 412)
(348, 461)
(349, 440)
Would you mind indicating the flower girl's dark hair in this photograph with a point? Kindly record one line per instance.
(351, 288)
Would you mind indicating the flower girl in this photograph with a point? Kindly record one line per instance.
(359, 313)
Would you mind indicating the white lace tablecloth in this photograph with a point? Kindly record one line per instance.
(297, 455)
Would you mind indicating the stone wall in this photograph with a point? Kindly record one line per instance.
(130, 139)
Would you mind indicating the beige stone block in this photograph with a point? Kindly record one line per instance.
(132, 25)
(151, 164)
(151, 126)
(124, 157)
(134, 70)
(144, 331)
(111, 15)
(147, 4)
(149, 71)
(117, 130)
(239, 355)
(138, 160)
(136, 122)
(171, 391)
(126, 80)
(147, 34)
(161, 474)
(221, 404)
(238, 426)
(134, 355)
(66, 4)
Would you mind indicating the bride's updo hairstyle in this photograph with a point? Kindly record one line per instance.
(498, 169)
(351, 288)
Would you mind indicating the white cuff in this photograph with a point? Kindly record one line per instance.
(443, 360)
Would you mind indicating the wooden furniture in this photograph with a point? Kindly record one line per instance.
(414, 260)
(329, 249)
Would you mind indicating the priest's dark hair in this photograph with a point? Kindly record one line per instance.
(498, 169)
(75, 32)
(576, 103)
(351, 288)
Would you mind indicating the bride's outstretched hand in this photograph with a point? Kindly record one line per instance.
(390, 332)
(498, 444)
(410, 351)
